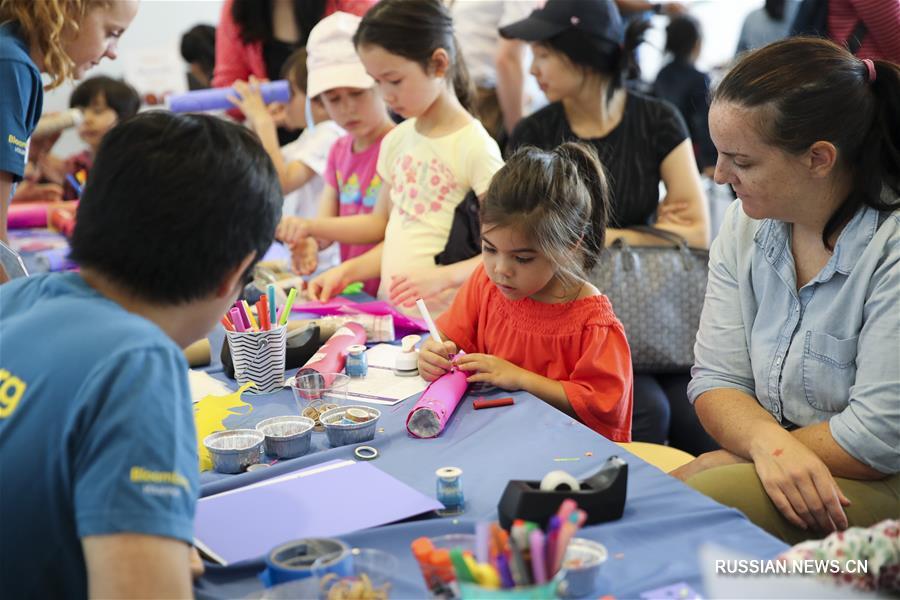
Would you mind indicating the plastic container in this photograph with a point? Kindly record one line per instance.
(370, 577)
(235, 450)
(342, 431)
(582, 563)
(316, 393)
(287, 437)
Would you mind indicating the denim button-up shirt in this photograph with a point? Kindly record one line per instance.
(828, 352)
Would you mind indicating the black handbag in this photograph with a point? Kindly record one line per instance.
(657, 292)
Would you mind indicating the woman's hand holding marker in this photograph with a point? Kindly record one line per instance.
(491, 369)
(435, 358)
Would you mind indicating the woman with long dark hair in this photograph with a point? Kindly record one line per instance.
(255, 37)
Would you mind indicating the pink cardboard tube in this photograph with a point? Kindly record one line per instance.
(333, 355)
(26, 215)
(429, 416)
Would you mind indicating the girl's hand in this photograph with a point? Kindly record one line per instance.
(248, 99)
(799, 484)
(305, 256)
(329, 284)
(424, 283)
(292, 230)
(491, 369)
(434, 358)
(708, 460)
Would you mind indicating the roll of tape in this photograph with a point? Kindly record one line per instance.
(365, 453)
(559, 481)
(294, 560)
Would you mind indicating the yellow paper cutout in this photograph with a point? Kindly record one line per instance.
(210, 414)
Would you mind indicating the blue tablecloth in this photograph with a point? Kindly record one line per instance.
(654, 544)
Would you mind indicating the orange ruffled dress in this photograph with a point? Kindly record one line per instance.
(581, 344)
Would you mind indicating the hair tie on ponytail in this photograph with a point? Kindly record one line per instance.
(871, 67)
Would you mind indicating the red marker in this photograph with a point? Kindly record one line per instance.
(482, 403)
(227, 324)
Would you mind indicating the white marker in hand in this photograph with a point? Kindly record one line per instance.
(432, 328)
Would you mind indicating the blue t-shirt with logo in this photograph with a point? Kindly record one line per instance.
(96, 432)
(21, 101)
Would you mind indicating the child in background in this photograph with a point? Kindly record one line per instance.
(353, 185)
(62, 39)
(528, 319)
(300, 164)
(104, 102)
(428, 163)
(687, 88)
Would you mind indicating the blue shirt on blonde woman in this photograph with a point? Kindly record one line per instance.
(828, 352)
(20, 102)
(96, 432)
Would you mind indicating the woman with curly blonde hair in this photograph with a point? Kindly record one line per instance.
(62, 38)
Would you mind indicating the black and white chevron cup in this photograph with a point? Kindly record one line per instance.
(258, 356)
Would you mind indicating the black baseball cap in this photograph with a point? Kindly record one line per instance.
(597, 18)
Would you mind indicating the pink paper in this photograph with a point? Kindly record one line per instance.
(403, 324)
(26, 215)
(429, 416)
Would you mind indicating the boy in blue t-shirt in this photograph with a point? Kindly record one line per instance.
(98, 462)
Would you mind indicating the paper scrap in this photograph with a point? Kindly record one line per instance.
(203, 385)
(210, 414)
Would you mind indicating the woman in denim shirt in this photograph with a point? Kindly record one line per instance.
(797, 372)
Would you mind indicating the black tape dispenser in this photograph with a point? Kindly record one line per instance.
(601, 496)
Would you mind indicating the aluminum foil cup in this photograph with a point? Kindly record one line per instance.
(287, 437)
(235, 450)
(582, 564)
(341, 431)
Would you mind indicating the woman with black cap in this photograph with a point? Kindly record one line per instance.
(582, 53)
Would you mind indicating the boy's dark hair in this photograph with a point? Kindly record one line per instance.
(809, 89)
(173, 202)
(682, 35)
(414, 29)
(254, 18)
(198, 45)
(559, 199)
(294, 69)
(118, 95)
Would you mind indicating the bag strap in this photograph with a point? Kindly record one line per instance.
(855, 40)
(670, 236)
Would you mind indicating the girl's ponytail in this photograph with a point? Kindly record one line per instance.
(593, 176)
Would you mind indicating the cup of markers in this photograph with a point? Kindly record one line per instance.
(526, 562)
(257, 342)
